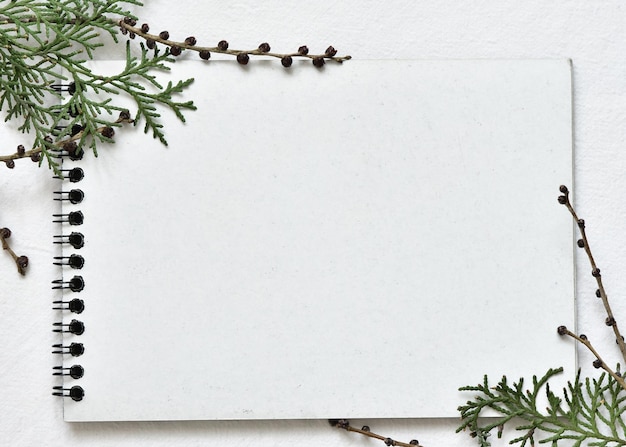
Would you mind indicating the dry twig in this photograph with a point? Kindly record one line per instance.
(600, 291)
(365, 431)
(20, 261)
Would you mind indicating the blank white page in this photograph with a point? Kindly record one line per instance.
(357, 241)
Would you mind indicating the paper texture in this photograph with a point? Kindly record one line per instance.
(357, 241)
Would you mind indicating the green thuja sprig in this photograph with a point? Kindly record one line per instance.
(46, 44)
(92, 104)
(590, 411)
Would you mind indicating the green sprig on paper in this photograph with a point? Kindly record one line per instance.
(45, 45)
(589, 412)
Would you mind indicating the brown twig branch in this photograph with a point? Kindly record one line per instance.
(598, 362)
(595, 271)
(67, 144)
(365, 431)
(20, 261)
(128, 26)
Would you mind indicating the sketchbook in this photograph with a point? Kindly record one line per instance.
(353, 242)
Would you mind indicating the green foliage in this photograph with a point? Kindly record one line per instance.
(591, 411)
(43, 43)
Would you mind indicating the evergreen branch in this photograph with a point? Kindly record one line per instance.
(590, 411)
(44, 38)
(40, 40)
(37, 40)
(145, 101)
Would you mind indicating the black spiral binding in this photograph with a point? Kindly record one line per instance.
(74, 175)
(74, 196)
(75, 239)
(72, 218)
(76, 306)
(76, 284)
(74, 371)
(73, 327)
(76, 392)
(74, 349)
(73, 261)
